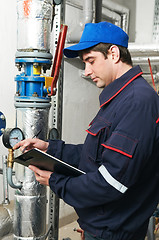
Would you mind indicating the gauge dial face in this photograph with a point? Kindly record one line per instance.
(16, 135)
(12, 136)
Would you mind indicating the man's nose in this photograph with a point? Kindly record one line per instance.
(88, 70)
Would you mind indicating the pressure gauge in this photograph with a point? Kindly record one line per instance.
(11, 136)
(57, 2)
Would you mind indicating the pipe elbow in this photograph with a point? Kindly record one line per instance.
(10, 179)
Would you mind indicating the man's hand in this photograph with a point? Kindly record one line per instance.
(31, 143)
(41, 176)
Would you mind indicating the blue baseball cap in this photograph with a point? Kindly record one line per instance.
(95, 33)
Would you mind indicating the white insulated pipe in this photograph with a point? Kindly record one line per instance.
(6, 219)
(119, 9)
(75, 35)
(30, 207)
(87, 11)
(33, 44)
(112, 16)
(144, 49)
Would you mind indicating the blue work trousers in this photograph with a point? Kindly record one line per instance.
(88, 236)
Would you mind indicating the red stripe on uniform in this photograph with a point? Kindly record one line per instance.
(94, 134)
(157, 120)
(117, 150)
(123, 87)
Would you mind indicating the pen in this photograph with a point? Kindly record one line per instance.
(37, 134)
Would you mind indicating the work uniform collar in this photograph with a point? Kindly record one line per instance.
(113, 89)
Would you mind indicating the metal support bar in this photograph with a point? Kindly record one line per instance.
(5, 180)
(54, 216)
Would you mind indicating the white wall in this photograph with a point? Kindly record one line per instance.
(80, 100)
(7, 67)
(144, 21)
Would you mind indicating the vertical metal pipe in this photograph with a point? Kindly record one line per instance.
(30, 201)
(75, 35)
(5, 182)
(98, 11)
(88, 11)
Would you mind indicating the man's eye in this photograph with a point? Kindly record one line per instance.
(91, 62)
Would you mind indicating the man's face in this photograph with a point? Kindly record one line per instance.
(99, 68)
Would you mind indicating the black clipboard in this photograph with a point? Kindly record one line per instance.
(44, 161)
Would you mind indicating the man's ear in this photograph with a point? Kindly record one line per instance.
(115, 53)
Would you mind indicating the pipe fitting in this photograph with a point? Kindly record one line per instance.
(10, 158)
(10, 163)
(10, 179)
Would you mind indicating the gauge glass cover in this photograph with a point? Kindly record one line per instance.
(16, 135)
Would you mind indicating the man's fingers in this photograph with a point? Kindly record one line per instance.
(41, 176)
(35, 169)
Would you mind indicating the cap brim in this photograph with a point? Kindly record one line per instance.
(72, 51)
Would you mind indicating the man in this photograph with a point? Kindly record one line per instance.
(119, 191)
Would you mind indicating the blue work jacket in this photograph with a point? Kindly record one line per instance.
(120, 156)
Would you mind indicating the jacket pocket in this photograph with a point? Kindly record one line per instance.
(97, 134)
(121, 143)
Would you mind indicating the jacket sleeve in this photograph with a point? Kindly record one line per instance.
(68, 153)
(125, 156)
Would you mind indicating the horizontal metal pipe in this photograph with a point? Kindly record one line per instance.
(115, 6)
(144, 59)
(143, 49)
(74, 4)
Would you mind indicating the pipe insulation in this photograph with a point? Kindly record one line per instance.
(34, 25)
(118, 9)
(30, 209)
(6, 219)
(144, 50)
(75, 31)
(87, 11)
(112, 16)
(30, 201)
